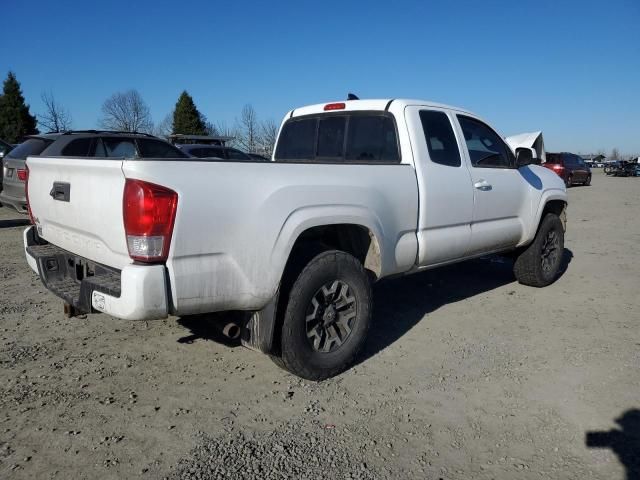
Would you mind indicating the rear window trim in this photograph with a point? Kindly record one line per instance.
(341, 160)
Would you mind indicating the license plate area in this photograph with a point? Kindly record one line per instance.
(73, 278)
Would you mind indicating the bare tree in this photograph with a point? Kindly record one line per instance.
(126, 111)
(165, 127)
(249, 130)
(268, 136)
(224, 130)
(615, 154)
(55, 118)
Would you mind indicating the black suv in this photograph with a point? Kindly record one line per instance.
(570, 167)
(79, 143)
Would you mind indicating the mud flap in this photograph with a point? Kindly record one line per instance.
(259, 327)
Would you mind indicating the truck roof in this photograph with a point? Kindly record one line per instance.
(370, 104)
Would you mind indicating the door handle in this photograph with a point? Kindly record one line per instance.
(483, 185)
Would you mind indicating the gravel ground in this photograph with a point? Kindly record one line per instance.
(466, 374)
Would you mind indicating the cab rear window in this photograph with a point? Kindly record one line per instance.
(354, 137)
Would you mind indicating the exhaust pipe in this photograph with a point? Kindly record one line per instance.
(231, 330)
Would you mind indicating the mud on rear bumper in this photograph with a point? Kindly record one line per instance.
(137, 292)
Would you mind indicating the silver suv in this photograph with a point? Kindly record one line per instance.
(85, 143)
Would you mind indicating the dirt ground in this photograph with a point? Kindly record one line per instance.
(466, 374)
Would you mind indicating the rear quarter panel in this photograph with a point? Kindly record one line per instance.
(237, 222)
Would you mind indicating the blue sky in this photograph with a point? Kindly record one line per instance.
(568, 68)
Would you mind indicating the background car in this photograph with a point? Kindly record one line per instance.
(570, 167)
(80, 143)
(5, 148)
(14, 172)
(215, 151)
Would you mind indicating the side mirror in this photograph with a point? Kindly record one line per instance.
(523, 157)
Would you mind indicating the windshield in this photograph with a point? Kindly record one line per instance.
(32, 146)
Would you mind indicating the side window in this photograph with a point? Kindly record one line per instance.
(234, 154)
(150, 148)
(297, 140)
(441, 141)
(372, 138)
(119, 147)
(331, 136)
(486, 148)
(207, 152)
(77, 148)
(99, 150)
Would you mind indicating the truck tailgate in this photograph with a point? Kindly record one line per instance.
(77, 206)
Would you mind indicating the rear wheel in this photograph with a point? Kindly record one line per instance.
(327, 317)
(568, 181)
(538, 265)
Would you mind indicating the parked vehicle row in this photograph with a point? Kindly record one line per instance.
(623, 169)
(219, 152)
(97, 144)
(87, 143)
(357, 191)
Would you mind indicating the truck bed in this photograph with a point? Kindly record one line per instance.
(235, 224)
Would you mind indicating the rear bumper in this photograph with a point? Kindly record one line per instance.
(20, 204)
(137, 292)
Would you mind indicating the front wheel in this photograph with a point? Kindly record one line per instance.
(327, 317)
(569, 181)
(538, 264)
(587, 182)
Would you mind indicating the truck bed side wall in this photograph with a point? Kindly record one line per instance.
(237, 222)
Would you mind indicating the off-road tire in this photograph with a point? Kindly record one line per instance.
(297, 352)
(528, 266)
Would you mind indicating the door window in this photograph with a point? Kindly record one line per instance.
(441, 141)
(119, 147)
(150, 148)
(79, 147)
(486, 148)
(234, 154)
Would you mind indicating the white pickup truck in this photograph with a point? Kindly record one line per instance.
(357, 191)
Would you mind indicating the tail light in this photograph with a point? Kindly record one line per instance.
(149, 213)
(22, 174)
(26, 190)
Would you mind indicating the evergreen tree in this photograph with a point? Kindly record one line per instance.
(187, 120)
(15, 119)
